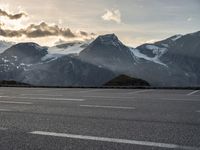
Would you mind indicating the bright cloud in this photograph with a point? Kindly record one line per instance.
(11, 26)
(189, 19)
(112, 15)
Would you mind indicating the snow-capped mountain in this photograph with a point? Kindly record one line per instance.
(107, 51)
(25, 62)
(170, 62)
(156, 50)
(181, 54)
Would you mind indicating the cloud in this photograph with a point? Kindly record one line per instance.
(83, 33)
(42, 30)
(112, 15)
(12, 16)
(189, 19)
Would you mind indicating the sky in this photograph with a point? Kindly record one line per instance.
(133, 21)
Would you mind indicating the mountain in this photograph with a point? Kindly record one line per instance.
(170, 62)
(27, 53)
(18, 58)
(124, 80)
(181, 54)
(107, 51)
(66, 71)
(25, 63)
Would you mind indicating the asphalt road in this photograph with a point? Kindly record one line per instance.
(99, 119)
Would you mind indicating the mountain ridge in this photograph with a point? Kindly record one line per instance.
(170, 62)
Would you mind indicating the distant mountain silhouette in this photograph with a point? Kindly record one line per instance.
(124, 80)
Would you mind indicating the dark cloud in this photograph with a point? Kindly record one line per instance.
(10, 33)
(12, 16)
(37, 30)
(41, 30)
(83, 33)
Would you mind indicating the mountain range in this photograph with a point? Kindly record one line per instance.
(170, 62)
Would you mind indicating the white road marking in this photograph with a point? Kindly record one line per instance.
(41, 95)
(12, 102)
(191, 93)
(112, 107)
(143, 99)
(115, 140)
(108, 97)
(181, 99)
(1, 128)
(5, 110)
(96, 90)
(198, 111)
(43, 98)
(141, 91)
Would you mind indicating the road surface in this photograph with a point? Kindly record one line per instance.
(99, 119)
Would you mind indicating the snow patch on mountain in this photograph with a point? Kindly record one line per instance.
(65, 49)
(68, 49)
(155, 59)
(158, 51)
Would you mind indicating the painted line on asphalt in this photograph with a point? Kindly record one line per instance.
(2, 128)
(5, 110)
(143, 99)
(184, 100)
(41, 95)
(96, 90)
(115, 140)
(141, 91)
(198, 111)
(43, 98)
(12, 102)
(108, 97)
(191, 93)
(111, 107)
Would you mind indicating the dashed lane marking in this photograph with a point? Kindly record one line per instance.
(115, 140)
(51, 95)
(191, 93)
(141, 91)
(43, 98)
(109, 107)
(12, 102)
(5, 110)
